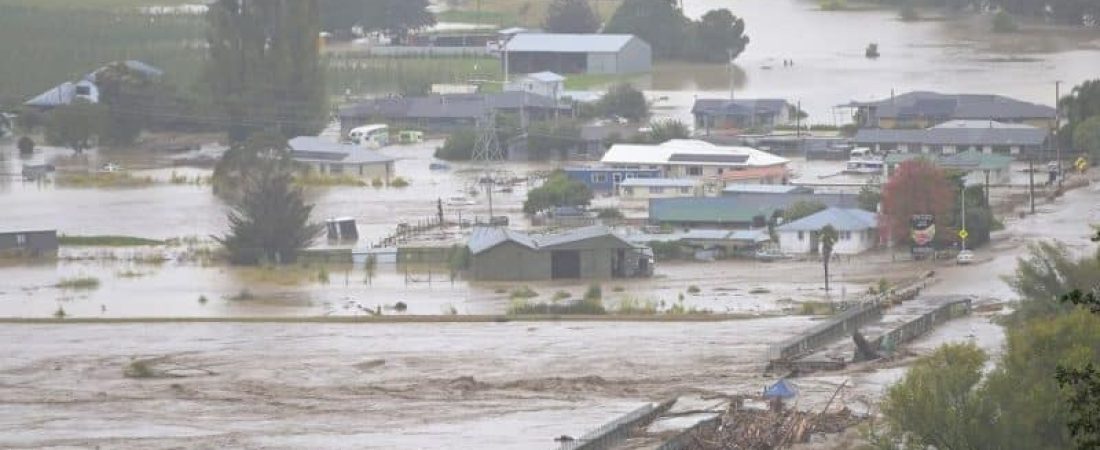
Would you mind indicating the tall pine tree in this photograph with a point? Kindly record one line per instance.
(264, 67)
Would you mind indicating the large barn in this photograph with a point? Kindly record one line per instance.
(501, 254)
(578, 53)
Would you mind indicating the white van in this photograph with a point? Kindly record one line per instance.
(374, 135)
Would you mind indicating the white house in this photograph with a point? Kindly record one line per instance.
(687, 158)
(647, 188)
(857, 232)
(546, 84)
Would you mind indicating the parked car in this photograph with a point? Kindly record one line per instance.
(964, 257)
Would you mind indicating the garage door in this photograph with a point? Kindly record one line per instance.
(565, 264)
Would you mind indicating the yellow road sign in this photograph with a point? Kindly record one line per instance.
(963, 234)
(1081, 164)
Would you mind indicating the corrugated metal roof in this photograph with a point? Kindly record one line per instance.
(312, 148)
(568, 43)
(952, 136)
(485, 238)
(738, 106)
(470, 106)
(842, 219)
(740, 208)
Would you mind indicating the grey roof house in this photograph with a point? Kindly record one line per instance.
(331, 158)
(957, 137)
(448, 111)
(922, 109)
(577, 53)
(856, 231)
(741, 114)
(737, 211)
(502, 254)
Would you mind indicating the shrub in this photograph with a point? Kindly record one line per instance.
(524, 292)
(664, 251)
(1004, 23)
(377, 183)
(79, 283)
(609, 213)
(138, 368)
(693, 289)
(561, 295)
(322, 275)
(760, 290)
(581, 307)
(594, 293)
(202, 300)
(630, 305)
(399, 182)
(60, 313)
(400, 307)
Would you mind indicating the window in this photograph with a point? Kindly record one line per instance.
(630, 175)
(720, 170)
(83, 90)
(685, 190)
(20, 240)
(617, 177)
(695, 171)
(628, 191)
(845, 235)
(801, 236)
(599, 178)
(656, 190)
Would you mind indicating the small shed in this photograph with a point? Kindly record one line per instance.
(503, 254)
(28, 243)
(331, 158)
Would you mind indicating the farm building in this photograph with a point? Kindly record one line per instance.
(501, 254)
(546, 84)
(577, 53)
(28, 243)
(330, 158)
(857, 232)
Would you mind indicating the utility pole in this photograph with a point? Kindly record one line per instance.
(1057, 125)
(1031, 181)
(963, 195)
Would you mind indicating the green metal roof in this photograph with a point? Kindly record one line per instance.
(975, 160)
(706, 209)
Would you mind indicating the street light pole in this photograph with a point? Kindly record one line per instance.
(963, 196)
(1057, 125)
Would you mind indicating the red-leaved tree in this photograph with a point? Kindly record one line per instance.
(917, 187)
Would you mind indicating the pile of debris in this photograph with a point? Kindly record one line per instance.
(743, 428)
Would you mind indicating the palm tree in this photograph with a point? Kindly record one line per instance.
(828, 238)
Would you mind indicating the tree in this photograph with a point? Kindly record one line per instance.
(128, 96)
(546, 140)
(1086, 137)
(719, 37)
(558, 190)
(869, 198)
(75, 125)
(623, 100)
(938, 403)
(1081, 104)
(1004, 23)
(459, 146)
(394, 18)
(658, 22)
(828, 237)
(917, 187)
(668, 129)
(26, 146)
(1047, 273)
(571, 16)
(264, 67)
(262, 151)
(270, 224)
(802, 208)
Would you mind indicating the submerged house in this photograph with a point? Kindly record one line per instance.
(922, 109)
(1016, 140)
(502, 254)
(857, 232)
(86, 88)
(331, 158)
(749, 210)
(741, 114)
(449, 112)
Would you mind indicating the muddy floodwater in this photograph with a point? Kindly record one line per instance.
(949, 54)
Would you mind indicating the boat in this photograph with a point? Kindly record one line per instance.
(862, 162)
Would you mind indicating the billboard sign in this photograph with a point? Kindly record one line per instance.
(922, 231)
